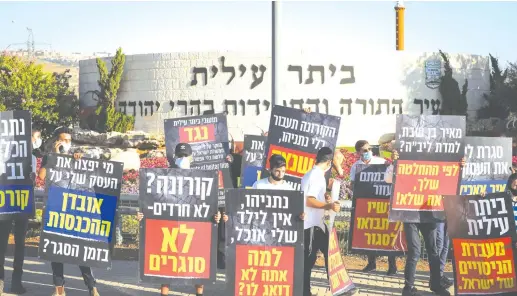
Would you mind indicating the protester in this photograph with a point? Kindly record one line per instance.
(316, 233)
(20, 231)
(429, 233)
(275, 180)
(363, 150)
(183, 158)
(62, 144)
(511, 186)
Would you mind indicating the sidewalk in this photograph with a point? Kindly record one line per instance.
(122, 280)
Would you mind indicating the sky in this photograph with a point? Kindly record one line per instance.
(153, 27)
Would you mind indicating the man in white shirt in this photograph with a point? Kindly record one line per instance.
(276, 175)
(314, 186)
(362, 148)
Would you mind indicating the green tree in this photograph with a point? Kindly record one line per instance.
(454, 101)
(26, 86)
(106, 117)
(502, 98)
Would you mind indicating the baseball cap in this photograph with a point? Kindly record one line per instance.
(183, 149)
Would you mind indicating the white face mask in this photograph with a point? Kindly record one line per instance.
(330, 166)
(183, 163)
(36, 144)
(67, 147)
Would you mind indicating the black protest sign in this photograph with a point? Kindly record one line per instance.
(430, 150)
(488, 165)
(297, 136)
(16, 185)
(482, 230)
(253, 159)
(79, 219)
(371, 232)
(178, 235)
(208, 137)
(264, 254)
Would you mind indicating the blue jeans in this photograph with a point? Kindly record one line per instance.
(428, 231)
(442, 244)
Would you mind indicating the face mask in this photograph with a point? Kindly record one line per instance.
(183, 163)
(367, 155)
(330, 166)
(36, 144)
(66, 147)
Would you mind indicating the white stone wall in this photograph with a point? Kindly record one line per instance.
(159, 86)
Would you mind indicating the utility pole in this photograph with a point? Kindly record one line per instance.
(399, 16)
(275, 50)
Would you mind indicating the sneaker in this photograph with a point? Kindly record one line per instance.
(446, 282)
(391, 272)
(441, 291)
(17, 288)
(369, 268)
(407, 291)
(56, 294)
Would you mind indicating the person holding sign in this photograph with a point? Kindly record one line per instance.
(20, 231)
(429, 232)
(363, 150)
(183, 159)
(316, 233)
(276, 175)
(62, 145)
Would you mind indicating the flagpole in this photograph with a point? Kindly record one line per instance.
(275, 51)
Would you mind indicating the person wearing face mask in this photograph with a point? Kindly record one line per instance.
(182, 160)
(63, 145)
(363, 150)
(19, 225)
(314, 186)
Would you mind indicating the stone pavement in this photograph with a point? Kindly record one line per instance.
(122, 280)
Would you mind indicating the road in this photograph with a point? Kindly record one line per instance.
(122, 280)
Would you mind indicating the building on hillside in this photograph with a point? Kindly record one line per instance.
(366, 89)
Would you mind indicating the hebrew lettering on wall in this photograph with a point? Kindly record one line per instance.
(430, 151)
(482, 230)
(264, 237)
(228, 73)
(371, 231)
(298, 136)
(16, 187)
(318, 73)
(488, 165)
(179, 235)
(79, 219)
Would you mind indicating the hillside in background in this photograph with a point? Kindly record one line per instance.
(53, 67)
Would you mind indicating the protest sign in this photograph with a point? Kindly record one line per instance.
(16, 185)
(482, 231)
(488, 164)
(253, 159)
(79, 218)
(297, 136)
(178, 235)
(339, 280)
(265, 251)
(430, 151)
(371, 232)
(208, 137)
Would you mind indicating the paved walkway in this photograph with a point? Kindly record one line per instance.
(122, 280)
